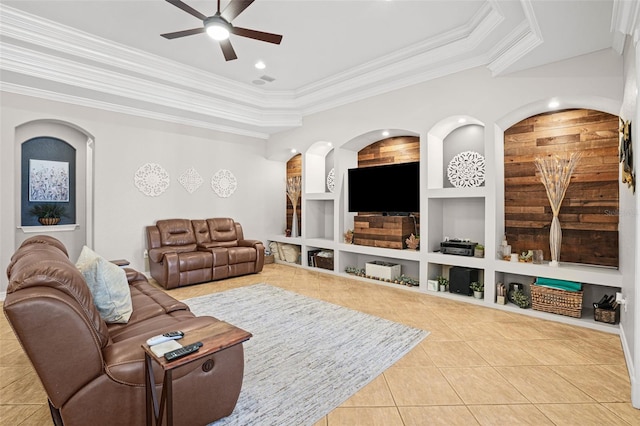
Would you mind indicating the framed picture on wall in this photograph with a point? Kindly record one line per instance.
(48, 181)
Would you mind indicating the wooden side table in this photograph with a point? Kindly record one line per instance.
(214, 337)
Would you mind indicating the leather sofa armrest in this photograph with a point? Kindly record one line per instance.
(250, 243)
(134, 276)
(156, 255)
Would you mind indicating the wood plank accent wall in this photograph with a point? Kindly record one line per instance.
(400, 149)
(589, 224)
(294, 168)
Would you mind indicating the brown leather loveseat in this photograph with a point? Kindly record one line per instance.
(92, 371)
(184, 252)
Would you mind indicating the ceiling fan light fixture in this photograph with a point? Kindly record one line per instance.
(217, 28)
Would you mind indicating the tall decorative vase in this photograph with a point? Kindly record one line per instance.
(294, 224)
(555, 241)
(555, 175)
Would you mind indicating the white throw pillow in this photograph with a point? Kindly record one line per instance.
(108, 285)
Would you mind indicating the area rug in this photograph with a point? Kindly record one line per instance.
(306, 356)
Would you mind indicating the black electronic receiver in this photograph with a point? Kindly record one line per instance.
(183, 351)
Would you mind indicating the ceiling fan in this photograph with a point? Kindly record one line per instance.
(219, 26)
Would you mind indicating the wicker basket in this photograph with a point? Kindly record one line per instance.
(556, 301)
(611, 316)
(324, 262)
(269, 258)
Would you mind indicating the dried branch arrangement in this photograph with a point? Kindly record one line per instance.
(293, 189)
(555, 175)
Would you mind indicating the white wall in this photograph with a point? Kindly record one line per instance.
(122, 145)
(629, 229)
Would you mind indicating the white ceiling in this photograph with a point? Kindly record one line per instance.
(109, 53)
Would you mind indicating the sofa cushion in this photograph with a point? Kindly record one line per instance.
(176, 232)
(222, 232)
(108, 285)
(195, 260)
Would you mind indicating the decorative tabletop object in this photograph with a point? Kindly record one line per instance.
(348, 236)
(466, 170)
(151, 179)
(191, 180)
(555, 175)
(48, 214)
(331, 180)
(293, 192)
(224, 183)
(413, 242)
(626, 155)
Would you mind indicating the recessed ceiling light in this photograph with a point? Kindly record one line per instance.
(462, 120)
(329, 143)
(293, 150)
(554, 104)
(260, 65)
(385, 133)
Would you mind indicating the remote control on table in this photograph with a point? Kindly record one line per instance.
(161, 338)
(183, 351)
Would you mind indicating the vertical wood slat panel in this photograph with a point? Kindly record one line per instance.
(590, 229)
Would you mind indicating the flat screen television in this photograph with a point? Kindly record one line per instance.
(392, 189)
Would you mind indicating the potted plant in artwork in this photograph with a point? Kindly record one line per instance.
(49, 213)
(443, 283)
(478, 289)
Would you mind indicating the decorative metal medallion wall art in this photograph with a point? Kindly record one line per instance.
(151, 179)
(331, 180)
(191, 180)
(466, 170)
(224, 183)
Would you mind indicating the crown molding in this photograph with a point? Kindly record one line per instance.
(83, 64)
(520, 41)
(119, 108)
(625, 20)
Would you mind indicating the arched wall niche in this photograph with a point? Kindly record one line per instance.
(76, 235)
(436, 148)
(361, 141)
(590, 229)
(542, 106)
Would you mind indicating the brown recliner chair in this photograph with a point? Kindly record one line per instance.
(93, 372)
(184, 252)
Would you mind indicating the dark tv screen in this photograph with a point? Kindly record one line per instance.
(390, 189)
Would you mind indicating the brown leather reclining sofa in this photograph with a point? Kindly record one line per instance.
(184, 252)
(93, 372)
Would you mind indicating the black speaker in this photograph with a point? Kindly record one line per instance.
(460, 280)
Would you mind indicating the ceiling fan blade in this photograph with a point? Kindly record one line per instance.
(227, 50)
(235, 8)
(183, 33)
(188, 9)
(257, 35)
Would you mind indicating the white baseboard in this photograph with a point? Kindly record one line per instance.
(3, 295)
(635, 384)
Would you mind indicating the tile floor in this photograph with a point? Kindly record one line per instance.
(478, 365)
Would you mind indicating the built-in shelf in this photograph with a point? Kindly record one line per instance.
(47, 229)
(607, 277)
(467, 213)
(320, 196)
